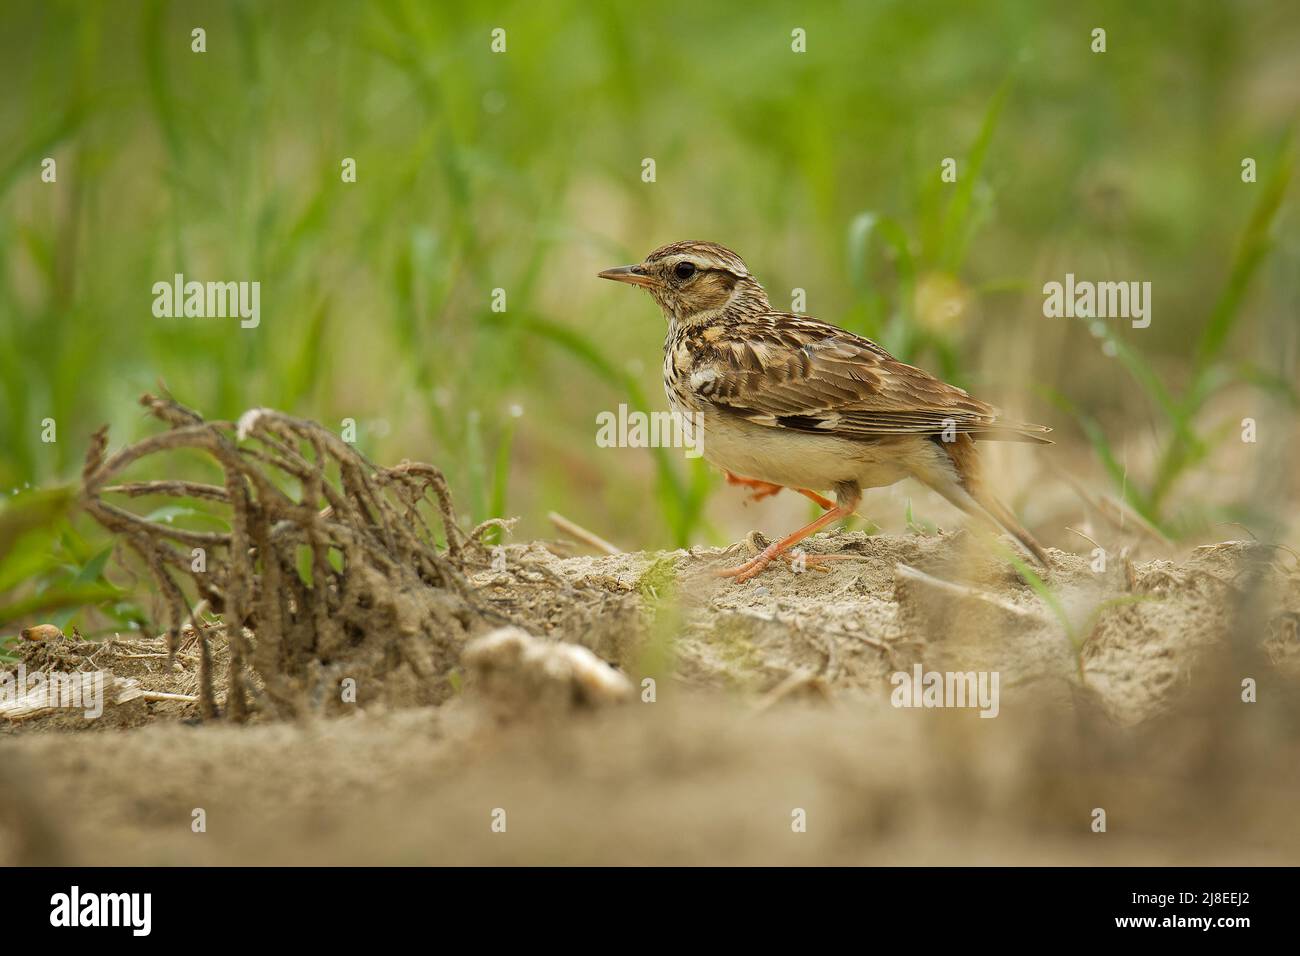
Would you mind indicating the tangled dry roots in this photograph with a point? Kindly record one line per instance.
(382, 603)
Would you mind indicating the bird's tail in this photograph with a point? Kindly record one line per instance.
(1003, 516)
(963, 487)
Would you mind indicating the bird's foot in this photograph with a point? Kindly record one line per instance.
(750, 568)
(760, 489)
(797, 563)
(766, 489)
(764, 553)
(818, 562)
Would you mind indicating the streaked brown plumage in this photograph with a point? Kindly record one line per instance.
(791, 401)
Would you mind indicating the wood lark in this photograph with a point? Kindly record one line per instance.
(787, 401)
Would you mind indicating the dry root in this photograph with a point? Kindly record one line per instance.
(330, 569)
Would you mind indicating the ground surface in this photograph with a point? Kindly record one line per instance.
(1119, 690)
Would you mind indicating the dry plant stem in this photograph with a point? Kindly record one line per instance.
(963, 591)
(251, 575)
(589, 538)
(178, 489)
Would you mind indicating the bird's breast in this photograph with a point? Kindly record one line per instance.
(677, 376)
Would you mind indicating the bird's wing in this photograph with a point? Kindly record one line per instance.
(786, 371)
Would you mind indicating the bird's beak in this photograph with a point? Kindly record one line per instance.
(633, 275)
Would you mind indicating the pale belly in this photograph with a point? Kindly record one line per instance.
(817, 462)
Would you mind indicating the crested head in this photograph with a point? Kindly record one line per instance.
(696, 282)
(705, 255)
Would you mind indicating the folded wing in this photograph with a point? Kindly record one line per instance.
(786, 371)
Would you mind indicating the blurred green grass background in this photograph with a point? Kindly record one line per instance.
(522, 171)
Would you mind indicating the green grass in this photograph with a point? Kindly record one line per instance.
(934, 251)
(1187, 439)
(521, 171)
(54, 570)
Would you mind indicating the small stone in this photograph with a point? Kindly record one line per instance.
(41, 632)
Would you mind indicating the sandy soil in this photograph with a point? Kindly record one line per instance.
(1122, 692)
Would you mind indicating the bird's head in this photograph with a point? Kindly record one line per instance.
(695, 282)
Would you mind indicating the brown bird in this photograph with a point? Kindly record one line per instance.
(787, 401)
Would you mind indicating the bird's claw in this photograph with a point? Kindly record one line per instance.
(759, 489)
(766, 553)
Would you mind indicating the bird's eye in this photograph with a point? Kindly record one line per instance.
(684, 270)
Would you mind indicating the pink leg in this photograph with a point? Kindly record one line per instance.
(765, 489)
(763, 559)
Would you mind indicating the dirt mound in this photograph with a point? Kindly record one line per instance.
(1126, 637)
(918, 698)
(751, 708)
